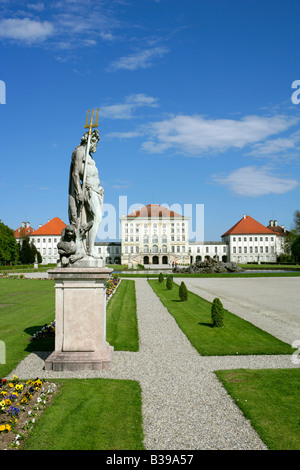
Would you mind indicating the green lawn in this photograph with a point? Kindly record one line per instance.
(270, 400)
(91, 414)
(236, 337)
(122, 327)
(25, 306)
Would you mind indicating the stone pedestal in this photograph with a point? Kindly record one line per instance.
(80, 319)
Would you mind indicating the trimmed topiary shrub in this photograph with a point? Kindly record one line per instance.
(161, 278)
(183, 292)
(169, 283)
(217, 313)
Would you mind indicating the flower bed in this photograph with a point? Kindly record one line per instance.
(21, 402)
(111, 285)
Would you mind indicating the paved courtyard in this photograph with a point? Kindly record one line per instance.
(271, 303)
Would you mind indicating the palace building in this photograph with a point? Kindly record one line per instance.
(156, 235)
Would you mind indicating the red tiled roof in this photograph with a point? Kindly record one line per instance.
(154, 210)
(22, 232)
(248, 225)
(53, 227)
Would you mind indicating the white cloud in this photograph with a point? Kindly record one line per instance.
(125, 110)
(39, 6)
(25, 29)
(195, 135)
(253, 182)
(142, 59)
(281, 146)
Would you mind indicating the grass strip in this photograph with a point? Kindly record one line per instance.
(121, 318)
(25, 306)
(91, 414)
(269, 398)
(236, 337)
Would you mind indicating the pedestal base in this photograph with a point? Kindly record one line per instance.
(60, 361)
(80, 319)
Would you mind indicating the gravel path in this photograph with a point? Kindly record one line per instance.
(184, 405)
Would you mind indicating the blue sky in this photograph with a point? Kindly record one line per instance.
(194, 97)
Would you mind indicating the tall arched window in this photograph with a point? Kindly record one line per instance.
(154, 249)
(164, 249)
(146, 249)
(146, 239)
(155, 239)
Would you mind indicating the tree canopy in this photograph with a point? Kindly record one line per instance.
(9, 251)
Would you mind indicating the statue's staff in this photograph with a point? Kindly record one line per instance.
(90, 127)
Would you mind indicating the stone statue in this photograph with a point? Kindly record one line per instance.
(67, 245)
(85, 194)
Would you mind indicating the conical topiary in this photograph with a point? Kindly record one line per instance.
(161, 277)
(169, 283)
(183, 292)
(217, 313)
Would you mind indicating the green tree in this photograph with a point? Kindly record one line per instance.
(28, 252)
(295, 249)
(8, 245)
(183, 292)
(161, 278)
(217, 313)
(297, 221)
(169, 283)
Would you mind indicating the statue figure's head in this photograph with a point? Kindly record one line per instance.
(94, 140)
(68, 233)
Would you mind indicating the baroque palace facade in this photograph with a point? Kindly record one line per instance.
(154, 235)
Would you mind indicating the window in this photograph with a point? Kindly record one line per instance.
(267, 249)
(261, 249)
(233, 239)
(234, 249)
(240, 239)
(240, 249)
(137, 250)
(131, 249)
(155, 249)
(198, 249)
(164, 249)
(207, 249)
(256, 249)
(245, 239)
(146, 249)
(216, 249)
(178, 249)
(146, 239)
(155, 239)
(245, 249)
(261, 239)
(251, 249)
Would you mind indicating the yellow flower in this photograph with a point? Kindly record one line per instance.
(2, 403)
(7, 427)
(19, 387)
(2, 427)
(38, 383)
(11, 385)
(3, 393)
(15, 377)
(7, 401)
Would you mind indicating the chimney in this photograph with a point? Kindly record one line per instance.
(40, 225)
(271, 223)
(244, 216)
(275, 223)
(283, 227)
